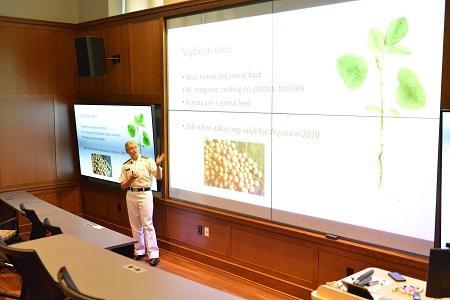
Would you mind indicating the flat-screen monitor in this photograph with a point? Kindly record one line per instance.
(438, 281)
(323, 115)
(102, 131)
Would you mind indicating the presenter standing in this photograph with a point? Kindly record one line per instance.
(136, 176)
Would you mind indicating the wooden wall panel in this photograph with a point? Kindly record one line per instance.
(147, 57)
(275, 253)
(95, 203)
(65, 145)
(66, 72)
(90, 87)
(27, 60)
(183, 228)
(117, 210)
(332, 266)
(48, 196)
(28, 140)
(37, 62)
(118, 75)
(160, 218)
(69, 199)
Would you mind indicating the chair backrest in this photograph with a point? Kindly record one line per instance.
(54, 230)
(70, 289)
(37, 283)
(37, 229)
(2, 293)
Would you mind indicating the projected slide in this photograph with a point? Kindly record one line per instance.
(327, 125)
(102, 131)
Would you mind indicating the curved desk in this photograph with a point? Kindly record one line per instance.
(68, 222)
(105, 274)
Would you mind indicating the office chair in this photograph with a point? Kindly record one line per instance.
(2, 293)
(7, 236)
(54, 230)
(37, 283)
(37, 227)
(69, 288)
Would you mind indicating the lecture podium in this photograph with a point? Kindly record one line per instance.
(386, 289)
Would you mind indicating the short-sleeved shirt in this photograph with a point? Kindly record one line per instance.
(143, 166)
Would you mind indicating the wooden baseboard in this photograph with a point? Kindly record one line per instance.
(39, 187)
(237, 270)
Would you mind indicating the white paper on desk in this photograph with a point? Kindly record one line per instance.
(95, 226)
(381, 283)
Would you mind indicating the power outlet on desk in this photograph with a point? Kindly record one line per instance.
(199, 229)
(134, 268)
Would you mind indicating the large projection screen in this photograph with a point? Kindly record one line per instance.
(319, 114)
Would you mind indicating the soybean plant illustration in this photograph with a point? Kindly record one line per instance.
(138, 129)
(410, 93)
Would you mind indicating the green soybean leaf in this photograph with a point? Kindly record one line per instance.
(131, 130)
(393, 112)
(410, 93)
(399, 50)
(139, 119)
(397, 30)
(374, 108)
(407, 77)
(352, 69)
(376, 40)
(145, 139)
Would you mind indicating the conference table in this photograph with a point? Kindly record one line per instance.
(108, 275)
(69, 222)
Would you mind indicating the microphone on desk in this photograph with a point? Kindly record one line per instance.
(363, 278)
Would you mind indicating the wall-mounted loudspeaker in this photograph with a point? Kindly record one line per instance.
(90, 55)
